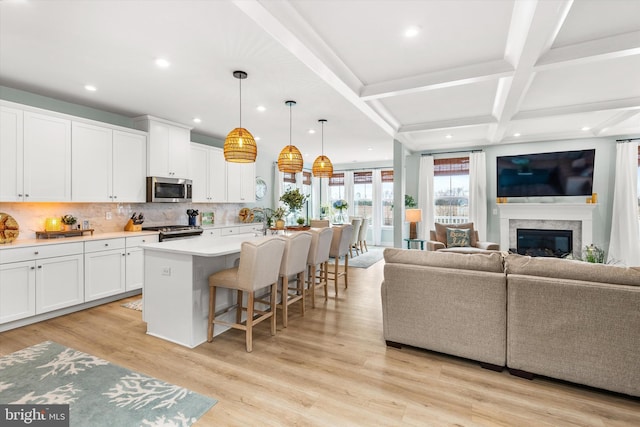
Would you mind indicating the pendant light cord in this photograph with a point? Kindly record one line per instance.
(290, 126)
(322, 139)
(240, 106)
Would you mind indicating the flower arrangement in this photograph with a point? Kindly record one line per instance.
(279, 213)
(593, 254)
(69, 219)
(340, 204)
(294, 199)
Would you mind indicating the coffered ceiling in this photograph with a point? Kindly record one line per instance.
(477, 73)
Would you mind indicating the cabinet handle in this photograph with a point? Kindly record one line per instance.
(143, 241)
(123, 254)
(36, 253)
(33, 268)
(26, 195)
(115, 197)
(19, 195)
(106, 244)
(39, 266)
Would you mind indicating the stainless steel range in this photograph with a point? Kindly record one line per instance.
(169, 232)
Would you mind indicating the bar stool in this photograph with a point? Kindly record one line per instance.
(294, 263)
(259, 268)
(340, 244)
(318, 256)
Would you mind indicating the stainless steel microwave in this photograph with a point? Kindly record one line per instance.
(168, 190)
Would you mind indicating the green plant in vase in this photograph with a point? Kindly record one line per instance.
(294, 199)
(68, 221)
(593, 254)
(278, 215)
(300, 221)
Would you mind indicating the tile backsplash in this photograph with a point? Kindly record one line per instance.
(31, 216)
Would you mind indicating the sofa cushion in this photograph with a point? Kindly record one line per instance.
(458, 237)
(482, 261)
(441, 232)
(469, 250)
(571, 269)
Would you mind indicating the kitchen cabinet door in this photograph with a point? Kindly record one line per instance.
(47, 158)
(217, 176)
(168, 149)
(104, 273)
(11, 147)
(200, 173)
(241, 182)
(91, 163)
(17, 290)
(59, 283)
(134, 269)
(129, 167)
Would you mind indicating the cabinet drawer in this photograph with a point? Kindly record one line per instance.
(133, 242)
(250, 228)
(39, 252)
(227, 231)
(211, 232)
(104, 245)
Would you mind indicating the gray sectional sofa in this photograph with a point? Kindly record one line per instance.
(564, 319)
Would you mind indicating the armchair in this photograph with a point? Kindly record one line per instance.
(459, 238)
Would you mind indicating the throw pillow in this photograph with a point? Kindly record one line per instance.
(458, 237)
(441, 231)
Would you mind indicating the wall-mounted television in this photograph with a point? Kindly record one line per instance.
(563, 173)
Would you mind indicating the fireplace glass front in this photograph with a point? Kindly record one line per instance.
(549, 243)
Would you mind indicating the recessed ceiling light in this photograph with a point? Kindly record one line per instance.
(370, 149)
(448, 136)
(586, 128)
(312, 131)
(261, 108)
(411, 31)
(90, 88)
(516, 134)
(162, 63)
(197, 120)
(256, 138)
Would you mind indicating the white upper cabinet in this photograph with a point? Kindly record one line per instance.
(36, 153)
(108, 165)
(241, 178)
(168, 149)
(208, 174)
(11, 147)
(47, 158)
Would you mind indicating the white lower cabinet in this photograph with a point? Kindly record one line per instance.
(135, 261)
(36, 280)
(104, 268)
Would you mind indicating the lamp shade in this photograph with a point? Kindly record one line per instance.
(322, 167)
(240, 147)
(290, 160)
(413, 215)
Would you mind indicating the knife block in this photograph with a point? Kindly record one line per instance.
(132, 227)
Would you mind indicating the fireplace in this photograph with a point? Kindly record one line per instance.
(544, 242)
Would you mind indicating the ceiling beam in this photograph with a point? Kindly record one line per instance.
(534, 27)
(451, 123)
(305, 53)
(616, 104)
(469, 74)
(594, 50)
(615, 120)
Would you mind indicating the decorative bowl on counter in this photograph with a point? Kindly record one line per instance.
(9, 229)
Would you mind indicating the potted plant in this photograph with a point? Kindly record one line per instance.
(68, 221)
(294, 200)
(279, 214)
(300, 221)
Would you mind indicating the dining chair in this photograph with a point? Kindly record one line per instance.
(318, 258)
(259, 268)
(319, 223)
(293, 265)
(355, 222)
(340, 243)
(362, 235)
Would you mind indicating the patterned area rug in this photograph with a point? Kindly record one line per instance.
(134, 305)
(99, 393)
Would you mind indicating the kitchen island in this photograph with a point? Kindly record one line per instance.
(176, 286)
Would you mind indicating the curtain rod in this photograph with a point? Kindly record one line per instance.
(451, 152)
(627, 140)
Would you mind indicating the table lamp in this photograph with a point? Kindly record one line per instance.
(413, 216)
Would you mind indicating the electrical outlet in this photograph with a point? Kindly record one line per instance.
(107, 215)
(166, 271)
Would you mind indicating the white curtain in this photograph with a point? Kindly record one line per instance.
(425, 197)
(278, 179)
(624, 245)
(378, 211)
(478, 193)
(348, 192)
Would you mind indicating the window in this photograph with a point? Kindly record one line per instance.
(451, 190)
(336, 187)
(387, 197)
(288, 181)
(363, 194)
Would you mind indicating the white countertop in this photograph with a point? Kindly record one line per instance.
(202, 246)
(56, 241)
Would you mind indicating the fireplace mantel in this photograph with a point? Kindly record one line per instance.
(582, 212)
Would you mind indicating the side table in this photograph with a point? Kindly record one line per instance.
(409, 241)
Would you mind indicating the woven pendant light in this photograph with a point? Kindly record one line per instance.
(239, 145)
(322, 167)
(290, 159)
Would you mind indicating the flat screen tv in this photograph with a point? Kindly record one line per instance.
(564, 173)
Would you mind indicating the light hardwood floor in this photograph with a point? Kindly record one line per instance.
(330, 368)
